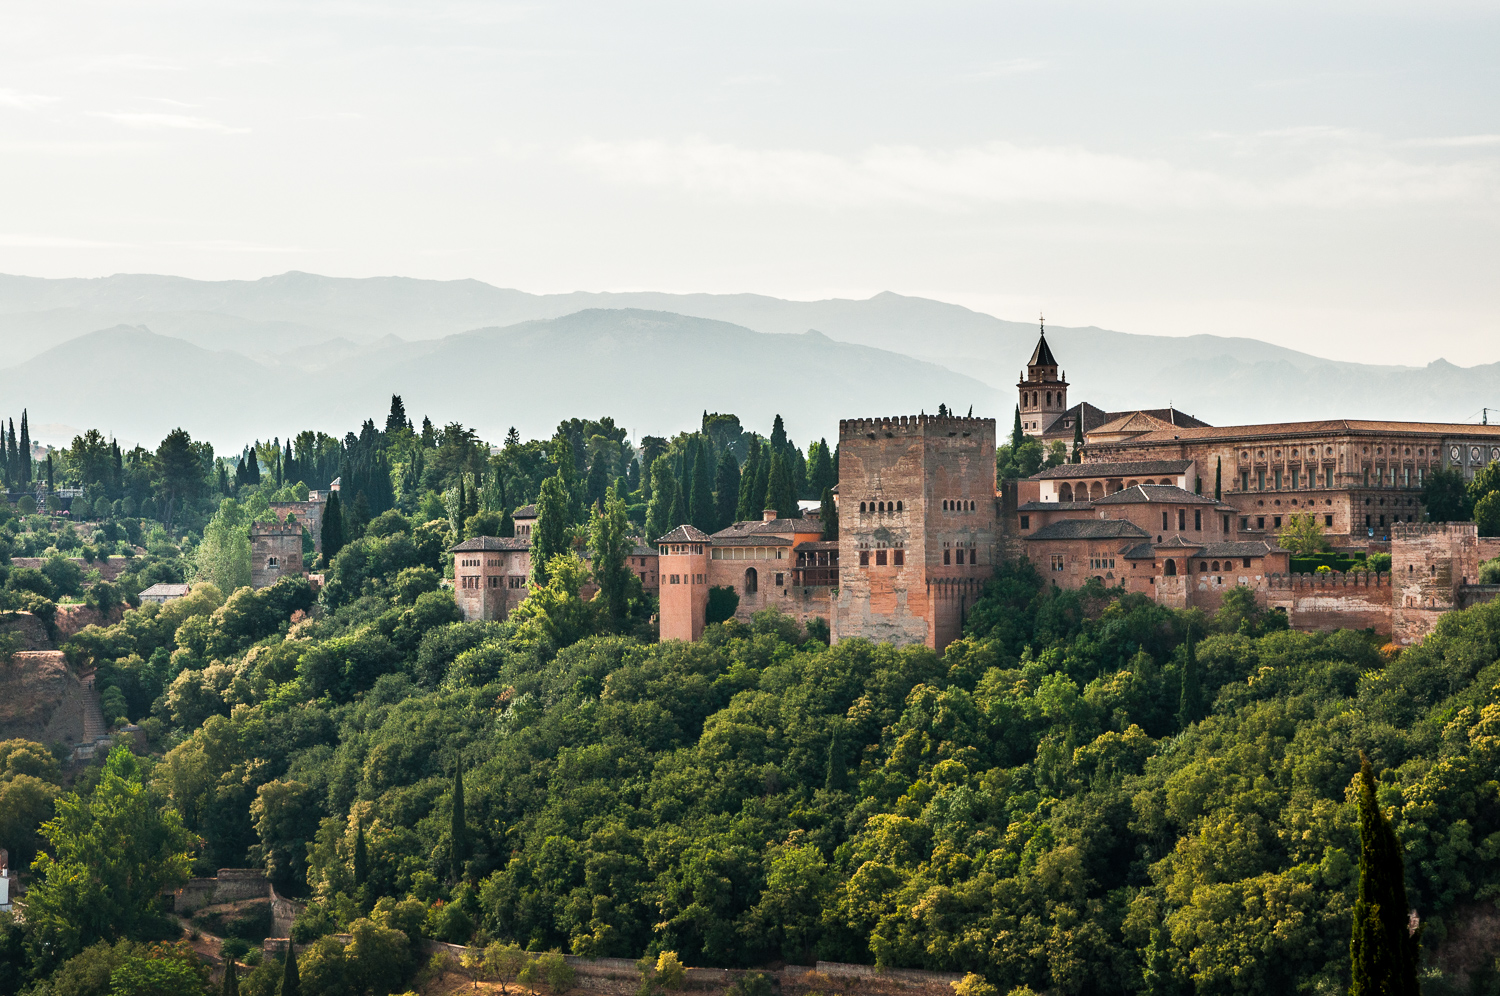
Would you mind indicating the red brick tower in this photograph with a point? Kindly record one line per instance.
(917, 526)
(1044, 394)
(683, 598)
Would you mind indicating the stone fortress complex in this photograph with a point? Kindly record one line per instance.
(1160, 502)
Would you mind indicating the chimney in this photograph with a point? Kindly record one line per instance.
(768, 514)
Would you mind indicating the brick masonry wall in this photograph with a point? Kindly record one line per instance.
(273, 540)
(1341, 601)
(308, 513)
(935, 478)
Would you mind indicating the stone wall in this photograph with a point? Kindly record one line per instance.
(231, 885)
(924, 486)
(109, 568)
(275, 552)
(1326, 602)
(1430, 564)
(307, 513)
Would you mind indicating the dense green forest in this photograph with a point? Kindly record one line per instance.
(1087, 793)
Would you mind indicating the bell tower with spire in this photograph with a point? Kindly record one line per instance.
(1044, 394)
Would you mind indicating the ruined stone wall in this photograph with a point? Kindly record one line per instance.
(1323, 603)
(923, 486)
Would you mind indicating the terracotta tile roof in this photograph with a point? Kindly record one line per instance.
(1140, 551)
(524, 512)
(1138, 468)
(491, 543)
(1055, 506)
(685, 534)
(1325, 427)
(160, 590)
(761, 527)
(1089, 529)
(1144, 493)
(1240, 548)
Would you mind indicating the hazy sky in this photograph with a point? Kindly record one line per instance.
(1325, 176)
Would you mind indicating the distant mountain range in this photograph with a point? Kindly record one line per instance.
(231, 360)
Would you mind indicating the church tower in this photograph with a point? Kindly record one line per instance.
(1044, 394)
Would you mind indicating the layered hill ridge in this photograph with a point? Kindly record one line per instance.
(325, 350)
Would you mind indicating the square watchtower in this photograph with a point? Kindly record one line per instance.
(918, 526)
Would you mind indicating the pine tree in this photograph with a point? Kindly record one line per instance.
(332, 538)
(1077, 436)
(1017, 437)
(942, 410)
(291, 983)
(471, 501)
(703, 514)
(744, 508)
(361, 857)
(1190, 698)
(726, 490)
(1219, 479)
(1384, 948)
(458, 830)
(512, 437)
(231, 986)
(223, 480)
(829, 513)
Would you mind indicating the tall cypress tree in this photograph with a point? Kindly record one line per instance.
(291, 983)
(25, 448)
(332, 538)
(458, 830)
(760, 489)
(361, 857)
(726, 490)
(677, 513)
(1384, 949)
(703, 514)
(231, 986)
(396, 420)
(779, 496)
(1190, 698)
(663, 493)
(778, 436)
(1077, 436)
(1016, 435)
(1218, 479)
(745, 503)
(829, 513)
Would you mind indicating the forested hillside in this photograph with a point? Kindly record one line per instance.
(1087, 793)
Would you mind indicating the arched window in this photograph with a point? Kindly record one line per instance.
(1202, 568)
(1049, 399)
(1171, 570)
(1066, 493)
(752, 581)
(861, 506)
(1216, 565)
(898, 506)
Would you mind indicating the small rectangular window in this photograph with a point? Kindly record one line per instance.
(1198, 519)
(1276, 522)
(864, 558)
(947, 556)
(1247, 561)
(1025, 522)
(1244, 480)
(1260, 522)
(898, 557)
(779, 581)
(1164, 519)
(879, 558)
(1328, 520)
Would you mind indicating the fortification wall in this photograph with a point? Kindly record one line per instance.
(275, 552)
(1326, 602)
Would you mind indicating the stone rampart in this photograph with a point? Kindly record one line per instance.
(1329, 601)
